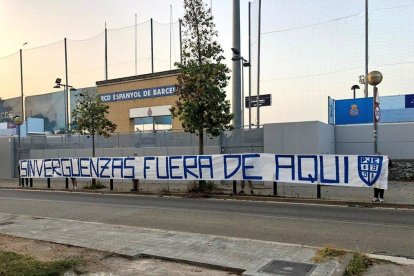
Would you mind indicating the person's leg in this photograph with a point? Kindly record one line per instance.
(381, 195)
(242, 185)
(251, 187)
(134, 185)
(376, 192)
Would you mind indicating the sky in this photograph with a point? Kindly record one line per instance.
(310, 49)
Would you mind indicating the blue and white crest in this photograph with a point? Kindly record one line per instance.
(369, 168)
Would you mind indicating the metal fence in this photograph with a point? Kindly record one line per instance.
(237, 140)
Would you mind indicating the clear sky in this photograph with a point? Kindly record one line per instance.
(311, 49)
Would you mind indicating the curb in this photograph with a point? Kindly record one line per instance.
(341, 269)
(253, 198)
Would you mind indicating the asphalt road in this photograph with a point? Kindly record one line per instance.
(371, 230)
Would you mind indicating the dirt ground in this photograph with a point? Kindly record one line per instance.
(99, 263)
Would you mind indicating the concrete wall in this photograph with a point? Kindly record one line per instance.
(299, 138)
(7, 161)
(395, 140)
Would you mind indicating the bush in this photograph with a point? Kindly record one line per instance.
(95, 186)
(358, 265)
(166, 190)
(207, 187)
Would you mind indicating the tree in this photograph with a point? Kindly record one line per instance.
(201, 103)
(89, 118)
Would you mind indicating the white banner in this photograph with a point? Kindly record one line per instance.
(338, 170)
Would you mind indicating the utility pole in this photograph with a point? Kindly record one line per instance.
(236, 104)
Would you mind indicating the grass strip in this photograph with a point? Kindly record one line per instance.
(13, 264)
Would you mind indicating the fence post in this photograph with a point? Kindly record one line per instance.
(31, 182)
(234, 187)
(111, 184)
(318, 191)
(275, 188)
(48, 183)
(67, 183)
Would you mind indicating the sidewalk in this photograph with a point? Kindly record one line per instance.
(398, 195)
(239, 255)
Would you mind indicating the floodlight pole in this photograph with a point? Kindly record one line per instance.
(21, 82)
(258, 63)
(66, 90)
(136, 46)
(250, 70)
(366, 50)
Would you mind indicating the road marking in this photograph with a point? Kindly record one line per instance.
(214, 212)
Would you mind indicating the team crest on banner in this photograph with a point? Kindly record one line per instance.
(369, 168)
(354, 111)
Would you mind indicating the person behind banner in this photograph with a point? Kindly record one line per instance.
(243, 184)
(378, 192)
(74, 183)
(18, 174)
(135, 182)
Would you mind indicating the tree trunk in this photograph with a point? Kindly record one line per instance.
(200, 141)
(201, 183)
(93, 155)
(93, 145)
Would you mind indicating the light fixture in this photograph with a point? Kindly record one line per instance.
(235, 51)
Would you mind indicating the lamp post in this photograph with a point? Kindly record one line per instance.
(375, 78)
(58, 84)
(354, 87)
(243, 63)
(18, 121)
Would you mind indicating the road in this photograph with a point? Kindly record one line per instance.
(371, 230)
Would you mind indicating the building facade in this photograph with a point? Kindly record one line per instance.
(141, 102)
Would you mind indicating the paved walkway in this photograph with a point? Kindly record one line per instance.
(397, 193)
(222, 252)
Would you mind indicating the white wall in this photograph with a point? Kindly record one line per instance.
(299, 138)
(395, 140)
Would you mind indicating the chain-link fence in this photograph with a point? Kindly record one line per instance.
(131, 50)
(314, 49)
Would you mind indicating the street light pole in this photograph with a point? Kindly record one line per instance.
(243, 63)
(354, 87)
(375, 78)
(242, 92)
(58, 84)
(18, 121)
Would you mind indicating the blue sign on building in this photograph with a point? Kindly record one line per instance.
(409, 101)
(353, 111)
(138, 94)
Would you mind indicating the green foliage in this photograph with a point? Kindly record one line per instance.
(202, 103)
(13, 264)
(358, 265)
(89, 116)
(94, 185)
(207, 187)
(166, 190)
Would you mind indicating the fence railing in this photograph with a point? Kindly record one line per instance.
(237, 140)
